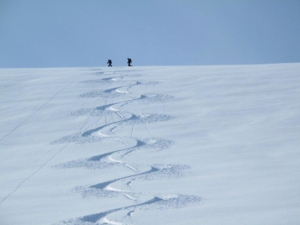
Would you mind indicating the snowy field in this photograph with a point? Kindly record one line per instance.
(150, 145)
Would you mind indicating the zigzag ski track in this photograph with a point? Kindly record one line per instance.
(117, 118)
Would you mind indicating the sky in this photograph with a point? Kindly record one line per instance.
(78, 33)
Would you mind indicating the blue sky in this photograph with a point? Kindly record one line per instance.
(73, 33)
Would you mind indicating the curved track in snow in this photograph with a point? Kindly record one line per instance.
(116, 117)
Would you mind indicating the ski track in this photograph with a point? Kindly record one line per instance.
(20, 124)
(36, 111)
(115, 118)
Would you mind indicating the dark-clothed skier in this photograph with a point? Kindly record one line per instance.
(129, 61)
(109, 62)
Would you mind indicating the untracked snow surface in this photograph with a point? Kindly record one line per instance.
(150, 145)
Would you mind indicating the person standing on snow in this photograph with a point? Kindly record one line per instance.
(109, 62)
(129, 61)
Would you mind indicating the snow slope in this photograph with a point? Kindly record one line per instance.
(150, 145)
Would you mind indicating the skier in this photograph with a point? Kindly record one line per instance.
(129, 61)
(109, 62)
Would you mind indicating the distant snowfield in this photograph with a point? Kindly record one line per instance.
(150, 145)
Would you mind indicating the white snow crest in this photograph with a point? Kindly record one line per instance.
(147, 145)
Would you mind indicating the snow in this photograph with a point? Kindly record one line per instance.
(150, 145)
